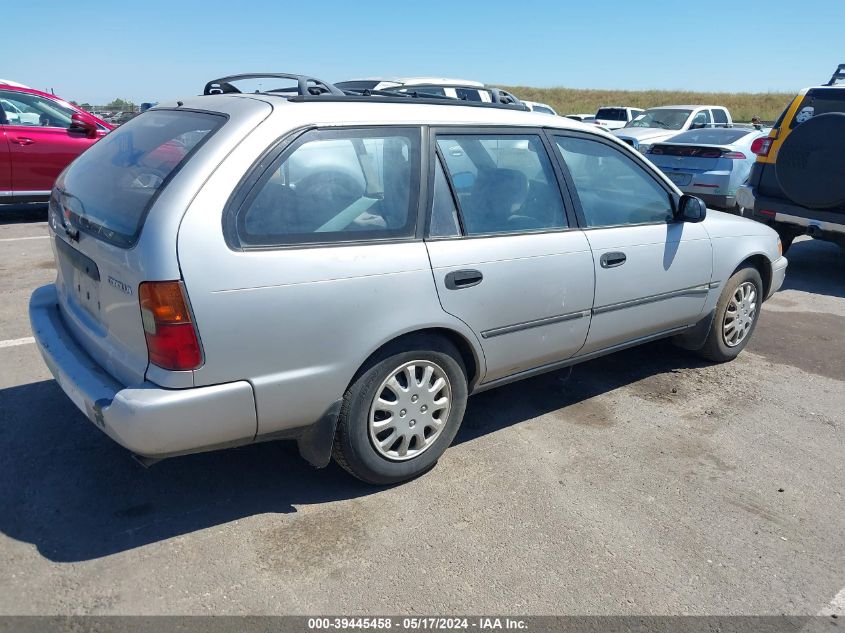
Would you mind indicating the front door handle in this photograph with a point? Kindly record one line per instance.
(612, 259)
(458, 279)
(22, 140)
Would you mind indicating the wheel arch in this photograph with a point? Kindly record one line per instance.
(471, 354)
(763, 266)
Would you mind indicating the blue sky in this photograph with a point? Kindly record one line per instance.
(150, 50)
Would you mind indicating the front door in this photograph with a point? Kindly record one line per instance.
(652, 272)
(41, 140)
(503, 256)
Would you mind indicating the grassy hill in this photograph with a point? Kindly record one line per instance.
(742, 105)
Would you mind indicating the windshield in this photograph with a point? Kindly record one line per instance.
(663, 118)
(713, 136)
(107, 191)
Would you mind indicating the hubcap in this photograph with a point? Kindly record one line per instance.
(410, 410)
(740, 314)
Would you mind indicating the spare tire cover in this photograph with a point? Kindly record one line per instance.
(810, 165)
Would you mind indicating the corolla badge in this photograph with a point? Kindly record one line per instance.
(124, 288)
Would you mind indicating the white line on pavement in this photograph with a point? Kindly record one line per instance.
(835, 606)
(16, 239)
(17, 341)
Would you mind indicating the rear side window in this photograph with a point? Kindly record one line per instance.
(108, 190)
(338, 185)
(504, 184)
(719, 116)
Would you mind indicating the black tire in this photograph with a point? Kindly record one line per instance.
(810, 166)
(715, 347)
(353, 448)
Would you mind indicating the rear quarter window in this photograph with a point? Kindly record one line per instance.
(108, 190)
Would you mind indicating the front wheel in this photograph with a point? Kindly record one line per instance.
(402, 411)
(736, 316)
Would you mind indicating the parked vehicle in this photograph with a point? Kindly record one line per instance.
(535, 106)
(655, 125)
(463, 89)
(40, 135)
(797, 184)
(710, 163)
(615, 117)
(584, 118)
(9, 82)
(345, 270)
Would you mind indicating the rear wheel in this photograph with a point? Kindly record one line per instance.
(402, 411)
(736, 316)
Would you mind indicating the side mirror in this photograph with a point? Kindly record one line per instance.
(691, 209)
(81, 123)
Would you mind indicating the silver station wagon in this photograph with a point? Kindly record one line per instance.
(346, 269)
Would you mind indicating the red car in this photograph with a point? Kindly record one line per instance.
(40, 135)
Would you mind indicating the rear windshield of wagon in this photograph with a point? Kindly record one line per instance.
(108, 190)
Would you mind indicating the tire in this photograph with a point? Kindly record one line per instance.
(718, 346)
(355, 445)
(810, 166)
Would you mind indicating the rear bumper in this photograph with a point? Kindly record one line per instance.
(146, 419)
(778, 211)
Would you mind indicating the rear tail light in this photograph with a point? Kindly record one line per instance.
(172, 340)
(734, 155)
(762, 146)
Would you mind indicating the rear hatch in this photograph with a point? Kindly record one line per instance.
(816, 102)
(97, 211)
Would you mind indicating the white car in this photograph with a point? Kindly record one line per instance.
(615, 117)
(535, 106)
(463, 89)
(656, 125)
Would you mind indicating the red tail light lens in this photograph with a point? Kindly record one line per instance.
(761, 146)
(172, 341)
(734, 155)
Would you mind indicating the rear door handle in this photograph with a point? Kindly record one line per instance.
(612, 259)
(458, 279)
(22, 140)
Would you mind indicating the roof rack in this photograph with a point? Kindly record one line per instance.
(305, 85)
(838, 75)
(313, 89)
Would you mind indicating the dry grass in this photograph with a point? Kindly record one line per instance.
(742, 105)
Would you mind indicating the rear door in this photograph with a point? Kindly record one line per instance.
(504, 256)
(41, 140)
(652, 273)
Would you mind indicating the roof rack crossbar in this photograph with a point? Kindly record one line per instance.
(305, 85)
(838, 75)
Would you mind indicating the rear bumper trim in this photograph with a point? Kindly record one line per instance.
(146, 419)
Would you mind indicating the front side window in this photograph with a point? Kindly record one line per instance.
(613, 189)
(504, 183)
(336, 186)
(702, 118)
(21, 108)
